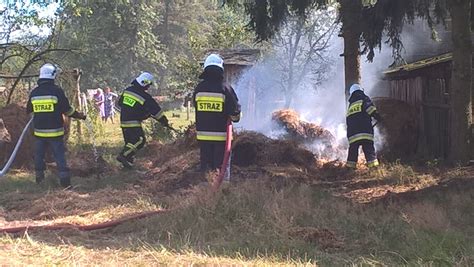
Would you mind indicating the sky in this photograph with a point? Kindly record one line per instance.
(46, 10)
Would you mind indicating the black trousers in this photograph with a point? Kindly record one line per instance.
(212, 154)
(369, 152)
(134, 141)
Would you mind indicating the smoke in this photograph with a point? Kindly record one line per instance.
(324, 103)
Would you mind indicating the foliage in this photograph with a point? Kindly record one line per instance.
(379, 18)
(168, 38)
(115, 42)
(28, 39)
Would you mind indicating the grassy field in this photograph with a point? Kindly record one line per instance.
(264, 220)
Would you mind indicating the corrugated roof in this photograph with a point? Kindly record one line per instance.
(420, 64)
(242, 57)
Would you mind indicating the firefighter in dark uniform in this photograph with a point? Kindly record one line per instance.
(137, 105)
(215, 102)
(48, 103)
(360, 131)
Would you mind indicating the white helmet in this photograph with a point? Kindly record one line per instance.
(48, 71)
(214, 60)
(144, 79)
(355, 87)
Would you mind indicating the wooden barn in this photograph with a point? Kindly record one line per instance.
(425, 84)
(236, 62)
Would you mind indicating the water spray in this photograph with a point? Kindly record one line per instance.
(90, 130)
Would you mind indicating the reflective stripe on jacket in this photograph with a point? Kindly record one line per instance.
(214, 102)
(137, 105)
(359, 118)
(48, 103)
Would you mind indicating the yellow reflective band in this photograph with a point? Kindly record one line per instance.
(210, 106)
(44, 99)
(130, 124)
(354, 108)
(132, 96)
(158, 115)
(133, 147)
(351, 164)
(71, 111)
(210, 99)
(371, 110)
(374, 163)
(44, 107)
(359, 137)
(49, 132)
(211, 136)
(205, 96)
(43, 103)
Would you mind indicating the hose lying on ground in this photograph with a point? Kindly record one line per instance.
(89, 227)
(5, 169)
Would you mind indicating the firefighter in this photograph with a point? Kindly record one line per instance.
(360, 131)
(137, 105)
(48, 103)
(215, 102)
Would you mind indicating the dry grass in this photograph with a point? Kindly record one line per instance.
(269, 217)
(27, 251)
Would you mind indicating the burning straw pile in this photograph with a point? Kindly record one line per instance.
(313, 136)
(299, 129)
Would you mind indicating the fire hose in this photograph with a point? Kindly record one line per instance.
(116, 222)
(227, 152)
(5, 169)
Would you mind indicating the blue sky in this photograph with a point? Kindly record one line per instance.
(47, 11)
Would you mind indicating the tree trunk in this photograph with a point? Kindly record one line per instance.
(351, 11)
(460, 111)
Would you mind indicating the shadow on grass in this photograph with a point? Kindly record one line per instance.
(300, 222)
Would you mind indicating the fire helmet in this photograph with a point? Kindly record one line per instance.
(355, 87)
(48, 71)
(144, 79)
(214, 60)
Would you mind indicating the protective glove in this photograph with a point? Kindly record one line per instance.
(81, 116)
(164, 121)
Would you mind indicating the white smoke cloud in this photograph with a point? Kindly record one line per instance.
(325, 104)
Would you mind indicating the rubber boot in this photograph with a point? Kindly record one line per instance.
(39, 175)
(65, 180)
(125, 162)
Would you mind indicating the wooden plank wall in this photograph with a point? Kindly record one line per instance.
(427, 93)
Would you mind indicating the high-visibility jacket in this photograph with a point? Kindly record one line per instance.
(215, 102)
(137, 105)
(48, 103)
(359, 117)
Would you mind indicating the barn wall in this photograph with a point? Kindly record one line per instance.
(428, 90)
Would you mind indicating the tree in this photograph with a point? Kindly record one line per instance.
(303, 44)
(461, 92)
(23, 48)
(168, 39)
(116, 39)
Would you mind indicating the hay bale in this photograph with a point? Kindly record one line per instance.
(251, 148)
(301, 130)
(15, 119)
(399, 128)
